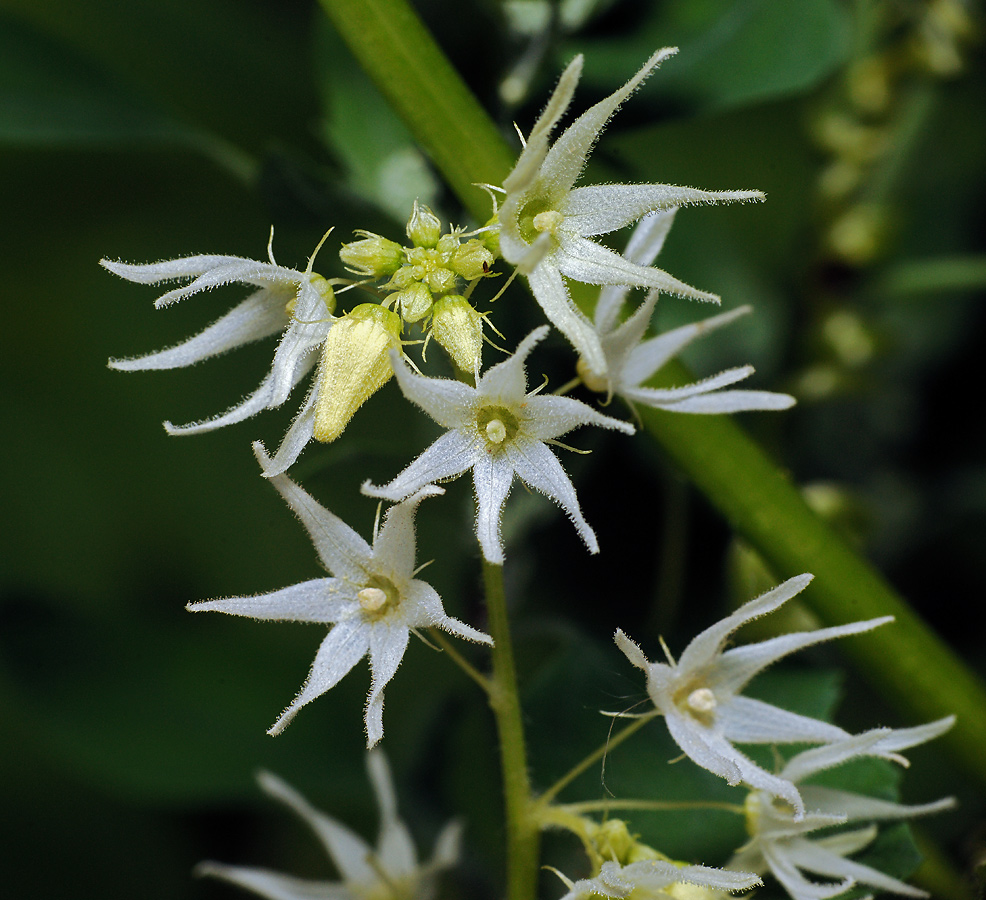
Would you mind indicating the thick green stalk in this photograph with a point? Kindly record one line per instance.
(523, 833)
(906, 661)
(411, 71)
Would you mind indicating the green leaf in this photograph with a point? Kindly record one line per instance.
(51, 96)
(381, 158)
(733, 52)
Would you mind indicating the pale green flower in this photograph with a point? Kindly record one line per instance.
(778, 840)
(629, 360)
(655, 879)
(372, 601)
(497, 430)
(699, 695)
(546, 223)
(296, 305)
(389, 872)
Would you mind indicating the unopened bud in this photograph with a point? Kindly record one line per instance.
(424, 228)
(373, 256)
(440, 280)
(413, 302)
(355, 365)
(459, 329)
(472, 260)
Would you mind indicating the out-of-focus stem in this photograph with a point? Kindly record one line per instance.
(523, 832)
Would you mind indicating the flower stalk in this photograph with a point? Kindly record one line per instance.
(523, 834)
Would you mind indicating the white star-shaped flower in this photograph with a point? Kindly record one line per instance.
(779, 845)
(649, 880)
(546, 223)
(629, 361)
(699, 695)
(389, 872)
(298, 305)
(497, 430)
(372, 601)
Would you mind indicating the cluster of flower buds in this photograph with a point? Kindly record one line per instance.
(428, 281)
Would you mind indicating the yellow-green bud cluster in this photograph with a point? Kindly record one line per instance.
(613, 841)
(426, 280)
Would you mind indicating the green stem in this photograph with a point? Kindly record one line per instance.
(612, 803)
(411, 71)
(595, 756)
(907, 662)
(456, 657)
(523, 834)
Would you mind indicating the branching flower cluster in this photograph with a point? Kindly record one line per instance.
(544, 229)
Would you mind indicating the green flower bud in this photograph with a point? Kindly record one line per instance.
(614, 841)
(472, 260)
(373, 256)
(440, 280)
(491, 239)
(414, 302)
(355, 365)
(423, 228)
(459, 329)
(446, 247)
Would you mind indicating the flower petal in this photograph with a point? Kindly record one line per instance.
(564, 161)
(274, 885)
(550, 417)
(395, 847)
(342, 551)
(705, 646)
(749, 721)
(447, 401)
(722, 402)
(506, 382)
(344, 646)
(738, 665)
(814, 857)
(711, 750)
(425, 610)
(586, 261)
(539, 467)
(255, 318)
(394, 546)
(651, 355)
(602, 208)
(388, 641)
(349, 852)
(324, 600)
(536, 146)
(272, 392)
(448, 457)
(552, 295)
(492, 479)
(296, 438)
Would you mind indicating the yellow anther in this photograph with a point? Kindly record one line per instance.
(701, 700)
(549, 220)
(496, 431)
(372, 599)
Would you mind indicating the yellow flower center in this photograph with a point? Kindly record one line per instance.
(372, 599)
(378, 597)
(497, 425)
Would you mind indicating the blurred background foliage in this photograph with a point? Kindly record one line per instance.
(145, 131)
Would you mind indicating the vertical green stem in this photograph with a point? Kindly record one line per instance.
(522, 829)
(411, 71)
